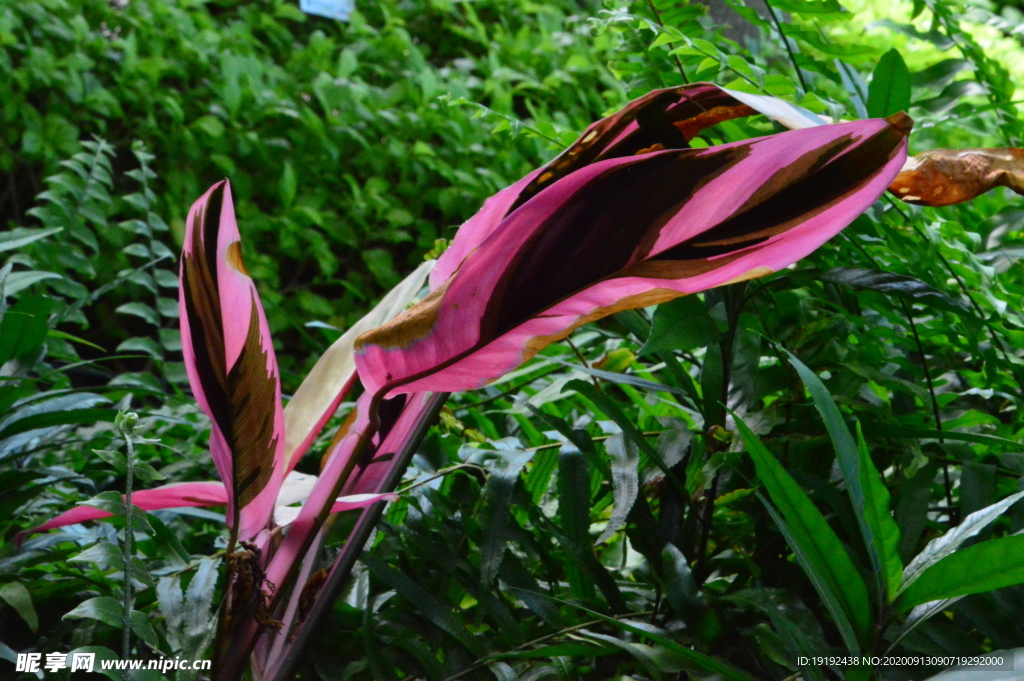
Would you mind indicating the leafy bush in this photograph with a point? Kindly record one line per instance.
(347, 162)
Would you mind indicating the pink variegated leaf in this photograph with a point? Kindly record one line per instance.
(230, 362)
(177, 495)
(327, 383)
(200, 494)
(355, 471)
(662, 119)
(629, 232)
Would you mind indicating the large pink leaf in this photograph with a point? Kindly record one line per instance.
(662, 119)
(230, 361)
(630, 232)
(177, 495)
(199, 494)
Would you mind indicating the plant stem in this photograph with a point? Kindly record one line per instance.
(789, 48)
(126, 433)
(302, 635)
(908, 313)
(935, 402)
(657, 17)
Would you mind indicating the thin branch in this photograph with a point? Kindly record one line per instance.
(789, 48)
(908, 313)
(679, 64)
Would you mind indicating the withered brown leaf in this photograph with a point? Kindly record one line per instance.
(943, 177)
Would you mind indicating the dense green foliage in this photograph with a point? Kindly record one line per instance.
(604, 479)
(346, 160)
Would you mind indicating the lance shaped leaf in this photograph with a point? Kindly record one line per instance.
(327, 383)
(230, 361)
(295, 489)
(943, 177)
(177, 495)
(630, 232)
(662, 119)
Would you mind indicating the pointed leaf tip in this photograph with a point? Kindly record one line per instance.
(901, 121)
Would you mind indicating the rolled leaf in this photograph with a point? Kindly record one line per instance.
(662, 119)
(943, 177)
(327, 383)
(630, 232)
(230, 362)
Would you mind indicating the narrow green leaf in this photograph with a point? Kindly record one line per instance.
(889, 91)
(625, 379)
(983, 567)
(795, 641)
(693, 657)
(539, 477)
(498, 493)
(625, 464)
(817, 568)
(912, 509)
(111, 502)
(140, 310)
(502, 671)
(944, 546)
(914, 290)
(24, 327)
(885, 534)
(642, 656)
(143, 629)
(680, 587)
(711, 384)
(19, 281)
(103, 553)
(569, 649)
(18, 597)
(849, 455)
(21, 236)
(897, 430)
(425, 603)
(168, 544)
(54, 333)
(574, 512)
(106, 609)
(58, 418)
(102, 654)
(615, 413)
(815, 544)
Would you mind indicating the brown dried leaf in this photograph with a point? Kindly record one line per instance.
(943, 177)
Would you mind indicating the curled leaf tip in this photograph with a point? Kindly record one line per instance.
(944, 177)
(901, 121)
